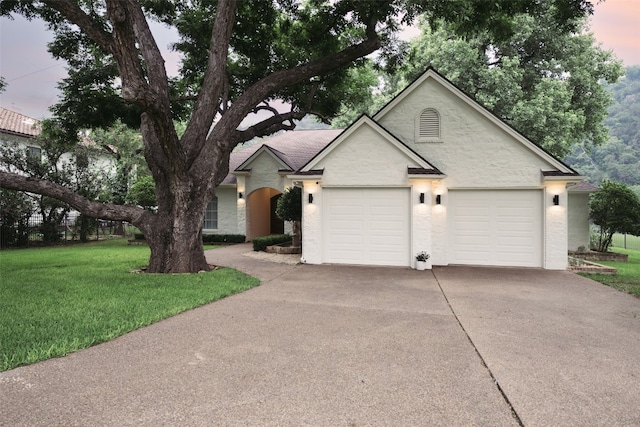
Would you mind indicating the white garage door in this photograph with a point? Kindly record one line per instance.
(498, 227)
(366, 226)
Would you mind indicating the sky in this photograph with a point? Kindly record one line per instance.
(32, 74)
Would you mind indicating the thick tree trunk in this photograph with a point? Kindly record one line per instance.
(176, 243)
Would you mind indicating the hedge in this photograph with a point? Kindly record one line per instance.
(261, 243)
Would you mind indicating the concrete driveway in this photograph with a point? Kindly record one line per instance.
(354, 346)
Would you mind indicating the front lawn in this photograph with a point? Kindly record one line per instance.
(628, 277)
(54, 301)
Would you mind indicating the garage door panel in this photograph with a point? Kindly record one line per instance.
(366, 226)
(496, 227)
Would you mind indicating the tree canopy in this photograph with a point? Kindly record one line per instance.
(614, 208)
(619, 158)
(542, 80)
(238, 57)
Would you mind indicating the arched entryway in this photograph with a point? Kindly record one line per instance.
(261, 213)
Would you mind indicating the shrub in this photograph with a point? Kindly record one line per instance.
(223, 238)
(261, 243)
(614, 209)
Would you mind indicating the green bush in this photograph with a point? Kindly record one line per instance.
(138, 236)
(261, 243)
(223, 238)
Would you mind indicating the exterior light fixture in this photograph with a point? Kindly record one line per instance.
(240, 195)
(310, 198)
(421, 197)
(438, 199)
(556, 200)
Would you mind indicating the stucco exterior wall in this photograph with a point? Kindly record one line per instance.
(555, 228)
(578, 220)
(227, 212)
(264, 174)
(421, 220)
(473, 152)
(311, 223)
(365, 159)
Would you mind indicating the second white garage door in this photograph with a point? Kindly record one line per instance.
(368, 226)
(495, 227)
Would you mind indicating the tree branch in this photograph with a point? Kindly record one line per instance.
(268, 126)
(285, 78)
(214, 81)
(112, 212)
(76, 15)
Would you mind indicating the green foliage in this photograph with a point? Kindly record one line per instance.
(542, 80)
(124, 146)
(82, 295)
(15, 210)
(289, 207)
(223, 238)
(261, 243)
(615, 209)
(142, 193)
(72, 171)
(619, 158)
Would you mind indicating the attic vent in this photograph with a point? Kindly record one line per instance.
(429, 125)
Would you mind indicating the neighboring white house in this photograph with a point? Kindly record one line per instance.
(432, 171)
(20, 131)
(16, 128)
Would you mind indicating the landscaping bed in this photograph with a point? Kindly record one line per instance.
(600, 256)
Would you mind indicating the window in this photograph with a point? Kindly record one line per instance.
(34, 152)
(211, 215)
(428, 126)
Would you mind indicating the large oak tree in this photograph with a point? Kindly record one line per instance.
(237, 58)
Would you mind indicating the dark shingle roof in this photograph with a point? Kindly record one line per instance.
(295, 148)
(582, 186)
(14, 123)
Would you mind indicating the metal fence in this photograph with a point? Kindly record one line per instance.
(626, 241)
(32, 233)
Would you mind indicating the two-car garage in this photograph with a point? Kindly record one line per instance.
(372, 226)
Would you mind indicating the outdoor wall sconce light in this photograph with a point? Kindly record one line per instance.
(438, 199)
(421, 197)
(240, 195)
(310, 198)
(556, 200)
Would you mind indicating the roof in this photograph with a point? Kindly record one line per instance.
(14, 123)
(582, 187)
(299, 145)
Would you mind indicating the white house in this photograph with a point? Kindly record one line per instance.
(19, 131)
(432, 171)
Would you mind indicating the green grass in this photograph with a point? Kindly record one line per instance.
(54, 301)
(628, 277)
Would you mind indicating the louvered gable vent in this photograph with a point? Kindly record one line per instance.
(429, 125)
